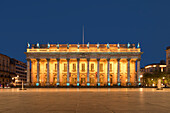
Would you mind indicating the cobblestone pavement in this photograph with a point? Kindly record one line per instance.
(85, 100)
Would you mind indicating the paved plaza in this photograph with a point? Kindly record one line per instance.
(85, 100)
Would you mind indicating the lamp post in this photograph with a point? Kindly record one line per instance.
(163, 78)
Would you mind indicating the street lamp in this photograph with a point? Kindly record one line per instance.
(163, 79)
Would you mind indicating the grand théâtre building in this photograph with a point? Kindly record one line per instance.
(83, 64)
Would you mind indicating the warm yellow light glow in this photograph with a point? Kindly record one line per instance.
(72, 77)
(162, 66)
(153, 84)
(147, 67)
(92, 48)
(141, 76)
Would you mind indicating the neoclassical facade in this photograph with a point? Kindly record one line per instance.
(83, 64)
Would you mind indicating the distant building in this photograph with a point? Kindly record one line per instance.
(150, 68)
(168, 59)
(5, 77)
(11, 71)
(21, 72)
(160, 67)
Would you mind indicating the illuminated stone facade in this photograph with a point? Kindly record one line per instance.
(168, 59)
(83, 64)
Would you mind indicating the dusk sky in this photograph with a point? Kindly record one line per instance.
(105, 21)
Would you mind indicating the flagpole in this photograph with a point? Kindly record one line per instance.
(83, 35)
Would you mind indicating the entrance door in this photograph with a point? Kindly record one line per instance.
(101, 79)
(111, 79)
(82, 80)
(64, 79)
(74, 80)
(92, 81)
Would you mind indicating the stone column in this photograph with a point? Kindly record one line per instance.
(98, 83)
(118, 72)
(88, 83)
(68, 82)
(32, 77)
(128, 72)
(58, 71)
(38, 72)
(28, 71)
(48, 71)
(138, 71)
(78, 73)
(108, 72)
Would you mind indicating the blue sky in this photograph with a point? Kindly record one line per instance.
(105, 21)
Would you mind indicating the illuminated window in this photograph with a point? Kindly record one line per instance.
(92, 67)
(110, 67)
(74, 67)
(55, 66)
(83, 67)
(65, 67)
(101, 67)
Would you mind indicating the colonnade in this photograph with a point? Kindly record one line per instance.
(78, 72)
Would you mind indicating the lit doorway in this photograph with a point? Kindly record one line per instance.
(101, 79)
(83, 80)
(73, 79)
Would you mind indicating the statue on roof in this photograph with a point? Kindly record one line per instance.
(48, 45)
(98, 45)
(38, 45)
(118, 45)
(28, 45)
(58, 45)
(88, 44)
(128, 45)
(67, 45)
(138, 46)
(108, 46)
(78, 45)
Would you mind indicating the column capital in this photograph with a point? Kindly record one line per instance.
(78, 59)
(28, 59)
(88, 59)
(58, 59)
(67, 59)
(118, 59)
(37, 59)
(128, 59)
(139, 59)
(108, 59)
(48, 59)
(98, 59)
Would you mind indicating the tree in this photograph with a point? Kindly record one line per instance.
(152, 78)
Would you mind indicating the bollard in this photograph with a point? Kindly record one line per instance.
(159, 87)
(22, 86)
